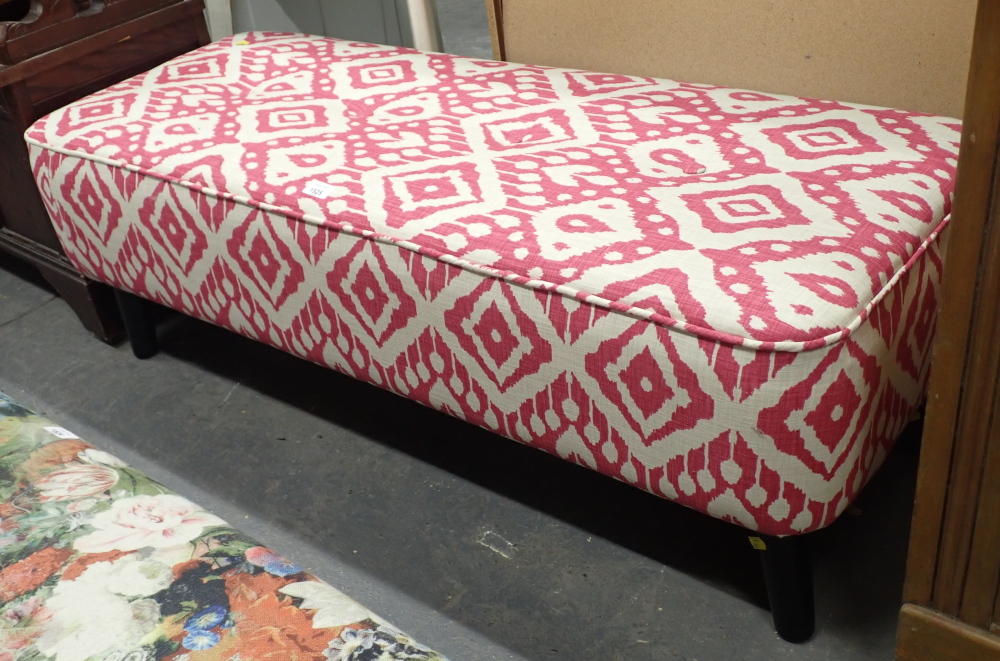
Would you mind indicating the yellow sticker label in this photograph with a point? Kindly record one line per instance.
(242, 43)
(758, 543)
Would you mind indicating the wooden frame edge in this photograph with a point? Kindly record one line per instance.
(974, 200)
(927, 634)
(494, 11)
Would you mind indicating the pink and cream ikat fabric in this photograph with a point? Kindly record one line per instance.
(720, 296)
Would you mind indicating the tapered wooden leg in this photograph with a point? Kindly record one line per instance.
(789, 579)
(138, 324)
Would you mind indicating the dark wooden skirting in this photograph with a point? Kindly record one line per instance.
(61, 51)
(92, 302)
(49, 89)
(953, 572)
(927, 634)
(100, 41)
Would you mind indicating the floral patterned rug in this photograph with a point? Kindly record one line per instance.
(100, 563)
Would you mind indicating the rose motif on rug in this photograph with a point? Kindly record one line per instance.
(100, 563)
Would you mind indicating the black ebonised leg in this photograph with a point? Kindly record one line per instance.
(138, 324)
(789, 579)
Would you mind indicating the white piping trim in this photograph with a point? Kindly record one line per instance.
(784, 346)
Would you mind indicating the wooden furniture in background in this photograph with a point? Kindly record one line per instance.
(53, 52)
(952, 596)
(910, 54)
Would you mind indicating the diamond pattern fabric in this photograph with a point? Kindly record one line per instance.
(723, 297)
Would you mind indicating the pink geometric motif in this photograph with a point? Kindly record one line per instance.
(751, 206)
(281, 119)
(498, 335)
(528, 130)
(92, 201)
(265, 261)
(175, 228)
(650, 383)
(89, 114)
(192, 69)
(806, 141)
(370, 291)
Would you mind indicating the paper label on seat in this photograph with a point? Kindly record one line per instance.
(59, 432)
(318, 189)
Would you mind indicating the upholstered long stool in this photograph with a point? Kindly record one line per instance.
(98, 561)
(723, 297)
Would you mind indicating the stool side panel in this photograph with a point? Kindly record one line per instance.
(779, 442)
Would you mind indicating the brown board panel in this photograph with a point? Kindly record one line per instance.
(911, 54)
(494, 13)
(926, 635)
(952, 455)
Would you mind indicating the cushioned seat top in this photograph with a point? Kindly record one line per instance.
(764, 220)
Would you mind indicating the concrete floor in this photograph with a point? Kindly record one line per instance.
(479, 547)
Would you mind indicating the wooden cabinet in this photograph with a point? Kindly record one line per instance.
(53, 52)
(952, 609)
